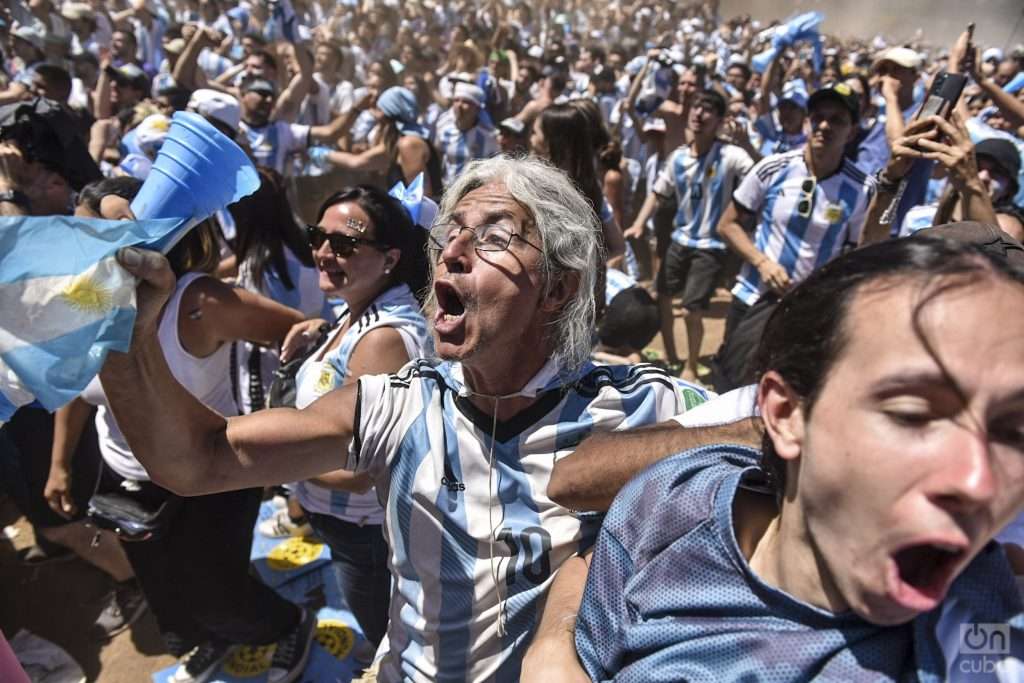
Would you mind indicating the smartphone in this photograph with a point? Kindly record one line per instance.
(943, 95)
(970, 33)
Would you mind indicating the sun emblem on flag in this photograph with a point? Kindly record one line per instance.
(87, 295)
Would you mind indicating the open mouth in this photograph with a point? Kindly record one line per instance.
(337, 276)
(923, 572)
(450, 307)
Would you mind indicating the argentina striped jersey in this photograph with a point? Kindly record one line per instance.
(458, 147)
(702, 187)
(773, 191)
(428, 448)
(273, 143)
(324, 372)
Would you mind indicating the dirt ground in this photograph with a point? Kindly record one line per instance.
(60, 601)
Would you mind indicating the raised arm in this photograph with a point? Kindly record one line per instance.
(591, 476)
(192, 450)
(290, 99)
(964, 58)
(904, 151)
(184, 73)
(764, 103)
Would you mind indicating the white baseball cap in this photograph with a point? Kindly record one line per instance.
(216, 105)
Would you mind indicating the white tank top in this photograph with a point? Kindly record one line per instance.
(205, 378)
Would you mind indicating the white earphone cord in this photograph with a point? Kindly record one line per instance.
(502, 632)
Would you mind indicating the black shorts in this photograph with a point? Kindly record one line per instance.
(691, 272)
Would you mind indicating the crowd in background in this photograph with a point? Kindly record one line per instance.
(717, 153)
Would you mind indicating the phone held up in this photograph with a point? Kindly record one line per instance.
(943, 95)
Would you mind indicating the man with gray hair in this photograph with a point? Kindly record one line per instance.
(460, 448)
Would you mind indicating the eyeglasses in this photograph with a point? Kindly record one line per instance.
(489, 237)
(805, 205)
(341, 245)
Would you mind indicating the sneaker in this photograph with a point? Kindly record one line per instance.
(292, 651)
(201, 663)
(125, 604)
(280, 525)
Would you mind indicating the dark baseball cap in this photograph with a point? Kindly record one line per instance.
(1005, 155)
(129, 74)
(988, 237)
(837, 92)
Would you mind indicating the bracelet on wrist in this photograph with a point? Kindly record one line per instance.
(885, 183)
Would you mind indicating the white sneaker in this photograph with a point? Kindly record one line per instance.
(280, 525)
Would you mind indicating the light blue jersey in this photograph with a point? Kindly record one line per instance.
(474, 538)
(324, 372)
(272, 144)
(458, 147)
(671, 597)
(702, 187)
(773, 192)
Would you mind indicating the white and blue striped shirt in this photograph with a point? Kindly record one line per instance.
(773, 191)
(428, 449)
(324, 372)
(702, 187)
(273, 143)
(458, 147)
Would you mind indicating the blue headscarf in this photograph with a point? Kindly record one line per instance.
(399, 105)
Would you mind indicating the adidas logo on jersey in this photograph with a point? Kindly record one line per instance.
(452, 484)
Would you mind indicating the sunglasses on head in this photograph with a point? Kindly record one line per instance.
(341, 245)
(806, 203)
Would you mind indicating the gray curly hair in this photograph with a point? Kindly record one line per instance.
(570, 236)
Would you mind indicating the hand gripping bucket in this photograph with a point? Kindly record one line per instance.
(197, 172)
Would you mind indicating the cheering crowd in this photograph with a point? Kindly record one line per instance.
(426, 335)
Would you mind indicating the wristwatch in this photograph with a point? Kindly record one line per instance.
(16, 197)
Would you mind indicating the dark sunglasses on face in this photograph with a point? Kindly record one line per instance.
(341, 245)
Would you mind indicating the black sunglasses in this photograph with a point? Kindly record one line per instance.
(341, 245)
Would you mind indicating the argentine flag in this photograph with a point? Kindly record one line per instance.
(64, 302)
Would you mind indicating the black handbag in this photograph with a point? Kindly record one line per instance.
(282, 387)
(133, 518)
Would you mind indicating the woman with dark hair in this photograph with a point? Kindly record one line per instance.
(371, 255)
(860, 543)
(399, 148)
(194, 573)
(272, 259)
(561, 135)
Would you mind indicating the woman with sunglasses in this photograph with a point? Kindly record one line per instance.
(371, 255)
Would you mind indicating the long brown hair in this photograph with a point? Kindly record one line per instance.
(571, 149)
